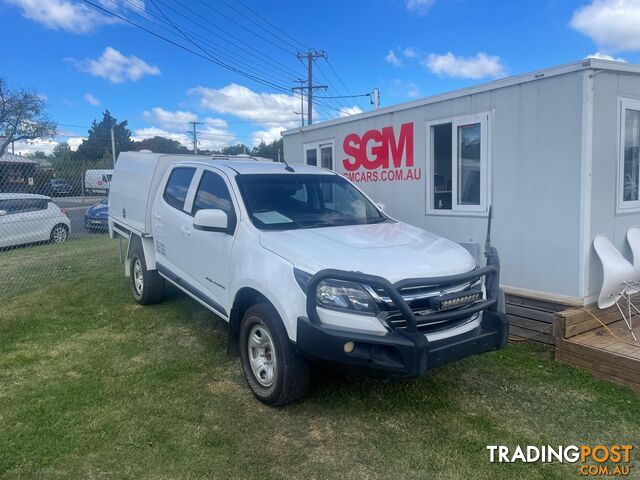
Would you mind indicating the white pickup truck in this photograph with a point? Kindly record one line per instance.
(303, 266)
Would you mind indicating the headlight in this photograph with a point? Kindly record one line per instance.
(345, 296)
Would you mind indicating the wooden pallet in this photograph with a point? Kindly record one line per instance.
(532, 319)
(583, 341)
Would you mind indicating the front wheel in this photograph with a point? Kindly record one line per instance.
(276, 374)
(147, 285)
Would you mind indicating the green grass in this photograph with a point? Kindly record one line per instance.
(94, 386)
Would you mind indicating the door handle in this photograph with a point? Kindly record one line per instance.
(186, 231)
(156, 216)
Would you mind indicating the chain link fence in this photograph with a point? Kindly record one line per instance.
(53, 220)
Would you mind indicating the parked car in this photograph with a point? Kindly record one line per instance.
(97, 216)
(96, 182)
(58, 187)
(303, 266)
(28, 218)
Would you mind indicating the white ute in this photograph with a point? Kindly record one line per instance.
(303, 266)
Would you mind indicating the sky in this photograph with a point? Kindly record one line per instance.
(231, 64)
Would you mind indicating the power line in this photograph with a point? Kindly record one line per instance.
(205, 57)
(217, 27)
(242, 26)
(269, 23)
(221, 53)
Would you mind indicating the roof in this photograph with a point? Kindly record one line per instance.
(11, 158)
(252, 167)
(586, 64)
(10, 196)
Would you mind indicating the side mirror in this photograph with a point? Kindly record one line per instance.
(3, 213)
(381, 206)
(211, 220)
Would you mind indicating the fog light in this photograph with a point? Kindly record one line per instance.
(349, 347)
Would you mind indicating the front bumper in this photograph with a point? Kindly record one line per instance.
(406, 352)
(399, 353)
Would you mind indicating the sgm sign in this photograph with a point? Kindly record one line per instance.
(378, 155)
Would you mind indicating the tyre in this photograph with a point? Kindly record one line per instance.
(59, 233)
(276, 374)
(147, 285)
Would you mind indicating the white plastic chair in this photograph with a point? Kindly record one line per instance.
(619, 281)
(633, 239)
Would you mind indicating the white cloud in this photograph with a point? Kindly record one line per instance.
(393, 59)
(269, 135)
(421, 7)
(408, 89)
(75, 142)
(410, 52)
(612, 24)
(347, 111)
(116, 67)
(91, 100)
(268, 109)
(66, 15)
(209, 138)
(479, 66)
(32, 146)
(170, 120)
(604, 56)
(69, 15)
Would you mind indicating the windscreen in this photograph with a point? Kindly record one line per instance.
(294, 201)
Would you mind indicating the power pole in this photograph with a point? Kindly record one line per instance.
(301, 88)
(195, 137)
(113, 146)
(375, 98)
(311, 55)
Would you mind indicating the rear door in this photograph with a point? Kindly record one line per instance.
(172, 224)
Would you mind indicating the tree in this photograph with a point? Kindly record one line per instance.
(269, 150)
(236, 149)
(22, 116)
(98, 144)
(159, 144)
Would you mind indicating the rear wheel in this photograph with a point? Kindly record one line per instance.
(147, 285)
(276, 374)
(59, 233)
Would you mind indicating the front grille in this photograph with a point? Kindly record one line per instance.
(420, 300)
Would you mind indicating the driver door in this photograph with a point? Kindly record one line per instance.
(211, 251)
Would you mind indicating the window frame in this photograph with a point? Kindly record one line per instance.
(232, 220)
(485, 119)
(317, 146)
(629, 206)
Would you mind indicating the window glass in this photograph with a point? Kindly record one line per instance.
(469, 164)
(177, 187)
(441, 136)
(326, 156)
(631, 155)
(24, 205)
(312, 157)
(295, 201)
(213, 194)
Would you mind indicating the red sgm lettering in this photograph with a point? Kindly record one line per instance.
(373, 149)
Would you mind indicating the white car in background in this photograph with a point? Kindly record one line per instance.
(28, 218)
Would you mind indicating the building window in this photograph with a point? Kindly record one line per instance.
(629, 169)
(319, 154)
(458, 152)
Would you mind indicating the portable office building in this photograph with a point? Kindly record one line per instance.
(555, 152)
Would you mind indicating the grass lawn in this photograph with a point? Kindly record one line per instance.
(94, 386)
